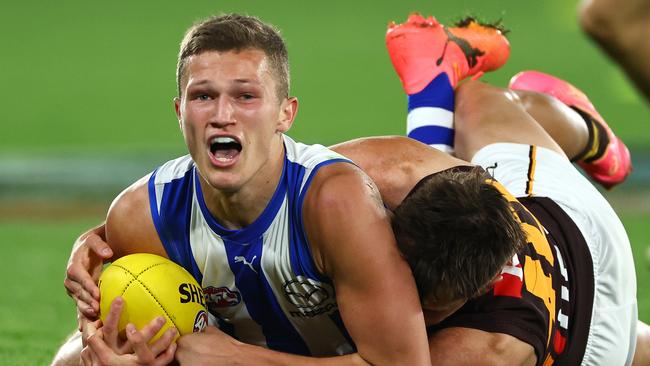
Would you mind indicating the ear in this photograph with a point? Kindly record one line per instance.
(177, 108)
(288, 110)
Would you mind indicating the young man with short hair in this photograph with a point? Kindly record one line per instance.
(293, 211)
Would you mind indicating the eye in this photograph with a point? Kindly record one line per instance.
(246, 96)
(203, 97)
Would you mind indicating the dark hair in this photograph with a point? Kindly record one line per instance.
(456, 231)
(235, 32)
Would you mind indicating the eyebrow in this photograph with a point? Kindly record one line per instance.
(238, 81)
(247, 81)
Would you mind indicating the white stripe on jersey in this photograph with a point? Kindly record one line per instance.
(305, 302)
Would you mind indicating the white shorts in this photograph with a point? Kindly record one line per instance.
(533, 171)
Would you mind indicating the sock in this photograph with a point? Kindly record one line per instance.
(430, 117)
(596, 142)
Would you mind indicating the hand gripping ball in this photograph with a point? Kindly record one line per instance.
(153, 286)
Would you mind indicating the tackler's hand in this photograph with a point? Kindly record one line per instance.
(89, 253)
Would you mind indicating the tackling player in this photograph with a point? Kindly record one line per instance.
(566, 294)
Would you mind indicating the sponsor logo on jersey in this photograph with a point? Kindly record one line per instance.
(310, 297)
(221, 297)
(200, 322)
(242, 259)
(191, 293)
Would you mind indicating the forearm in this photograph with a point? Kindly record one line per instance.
(467, 346)
(255, 355)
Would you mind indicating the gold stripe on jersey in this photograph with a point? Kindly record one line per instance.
(532, 155)
(537, 279)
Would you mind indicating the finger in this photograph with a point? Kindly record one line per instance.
(80, 283)
(139, 344)
(88, 311)
(99, 349)
(99, 246)
(164, 342)
(110, 329)
(166, 357)
(89, 329)
(151, 329)
(77, 291)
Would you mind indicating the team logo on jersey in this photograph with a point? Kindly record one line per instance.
(200, 322)
(310, 297)
(221, 297)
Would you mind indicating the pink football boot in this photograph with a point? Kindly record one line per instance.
(615, 164)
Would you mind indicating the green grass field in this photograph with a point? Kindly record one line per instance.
(88, 91)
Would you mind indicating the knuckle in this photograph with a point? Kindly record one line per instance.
(70, 271)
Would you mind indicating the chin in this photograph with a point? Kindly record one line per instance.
(224, 183)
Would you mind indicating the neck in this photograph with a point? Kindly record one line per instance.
(238, 209)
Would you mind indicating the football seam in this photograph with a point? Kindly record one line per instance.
(135, 278)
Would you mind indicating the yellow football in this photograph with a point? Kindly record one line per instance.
(153, 286)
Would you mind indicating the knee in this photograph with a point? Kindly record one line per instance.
(474, 99)
(532, 101)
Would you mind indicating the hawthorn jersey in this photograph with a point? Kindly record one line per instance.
(537, 300)
(260, 282)
(570, 292)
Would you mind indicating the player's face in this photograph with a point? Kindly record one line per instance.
(436, 311)
(231, 117)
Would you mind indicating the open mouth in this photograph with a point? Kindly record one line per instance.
(224, 149)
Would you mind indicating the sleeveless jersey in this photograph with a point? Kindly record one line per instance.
(546, 293)
(260, 282)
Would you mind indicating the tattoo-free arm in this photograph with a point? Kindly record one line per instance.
(466, 346)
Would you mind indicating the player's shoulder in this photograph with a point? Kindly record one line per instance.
(129, 224)
(173, 169)
(310, 156)
(340, 183)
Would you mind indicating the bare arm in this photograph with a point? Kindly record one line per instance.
(129, 225)
(352, 242)
(395, 163)
(128, 229)
(466, 346)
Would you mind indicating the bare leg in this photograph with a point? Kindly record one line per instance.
(620, 27)
(561, 122)
(487, 114)
(642, 353)
(70, 353)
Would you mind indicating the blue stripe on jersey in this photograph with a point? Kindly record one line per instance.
(259, 298)
(302, 261)
(173, 221)
(252, 231)
(439, 93)
(433, 135)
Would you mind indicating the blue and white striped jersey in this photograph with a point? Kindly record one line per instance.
(260, 282)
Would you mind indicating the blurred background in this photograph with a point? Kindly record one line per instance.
(87, 109)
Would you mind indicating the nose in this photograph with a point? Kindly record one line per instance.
(224, 113)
